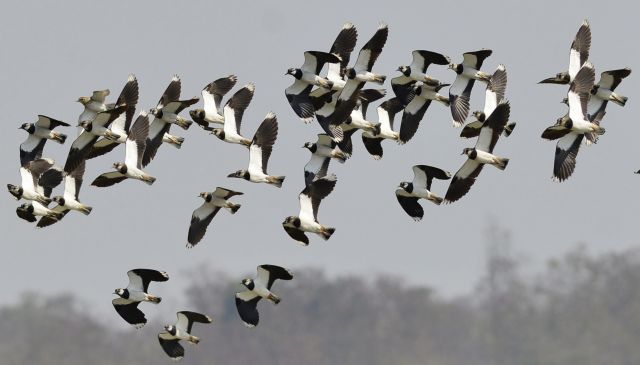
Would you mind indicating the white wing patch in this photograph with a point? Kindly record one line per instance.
(255, 160)
(306, 208)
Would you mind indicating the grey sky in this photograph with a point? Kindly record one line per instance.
(54, 52)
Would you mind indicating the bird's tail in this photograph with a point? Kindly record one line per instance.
(111, 136)
(149, 179)
(276, 180)
(327, 232)
(183, 123)
(54, 215)
(379, 79)
(325, 83)
(483, 76)
(597, 129)
(435, 199)
(233, 208)
(153, 299)
(340, 156)
(174, 141)
(59, 137)
(443, 99)
(501, 163)
(194, 340)
(618, 99)
(274, 298)
(85, 209)
(508, 129)
(43, 200)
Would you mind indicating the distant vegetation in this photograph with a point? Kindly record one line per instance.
(582, 309)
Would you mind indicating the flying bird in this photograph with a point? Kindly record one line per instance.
(259, 153)
(481, 154)
(136, 292)
(39, 133)
(361, 73)
(603, 91)
(578, 56)
(247, 301)
(403, 85)
(159, 128)
(578, 97)
(132, 166)
(417, 107)
(408, 193)
(467, 73)
(38, 178)
(305, 78)
(69, 200)
(201, 217)
(322, 151)
(494, 94)
(307, 219)
(170, 338)
(93, 105)
(386, 112)
(212, 95)
(81, 147)
(342, 46)
(49, 176)
(233, 112)
(129, 99)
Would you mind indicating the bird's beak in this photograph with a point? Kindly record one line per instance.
(231, 175)
(550, 80)
(398, 69)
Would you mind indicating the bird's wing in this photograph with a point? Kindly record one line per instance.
(463, 180)
(235, 107)
(579, 53)
(262, 144)
(200, 220)
(268, 274)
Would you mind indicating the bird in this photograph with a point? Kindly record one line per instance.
(233, 112)
(93, 105)
(39, 133)
(325, 106)
(81, 147)
(578, 56)
(567, 148)
(578, 96)
(307, 219)
(160, 128)
(169, 113)
(322, 151)
(417, 107)
(38, 178)
(136, 292)
(416, 72)
(132, 166)
(201, 217)
(357, 118)
(481, 154)
(247, 300)
(342, 46)
(603, 91)
(170, 338)
(69, 200)
(305, 78)
(408, 193)
(494, 94)
(129, 99)
(361, 73)
(467, 73)
(259, 153)
(386, 112)
(49, 176)
(212, 95)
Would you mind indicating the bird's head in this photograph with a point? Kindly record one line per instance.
(120, 167)
(295, 72)
(26, 207)
(310, 146)
(480, 116)
(406, 70)
(242, 174)
(196, 114)
(404, 185)
(468, 151)
(248, 283)
(218, 132)
(171, 329)
(291, 221)
(58, 199)
(456, 67)
(84, 100)
(122, 293)
(350, 72)
(86, 125)
(26, 126)
(16, 191)
(206, 196)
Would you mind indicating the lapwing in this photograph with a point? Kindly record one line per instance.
(136, 292)
(247, 301)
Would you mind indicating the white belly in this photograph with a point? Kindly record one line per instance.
(486, 157)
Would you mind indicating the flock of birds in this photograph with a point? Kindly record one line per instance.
(339, 102)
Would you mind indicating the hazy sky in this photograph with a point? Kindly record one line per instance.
(54, 52)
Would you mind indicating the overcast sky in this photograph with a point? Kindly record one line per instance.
(54, 52)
